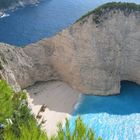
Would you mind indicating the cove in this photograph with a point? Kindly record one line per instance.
(112, 117)
(32, 23)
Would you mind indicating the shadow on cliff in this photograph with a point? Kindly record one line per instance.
(59, 97)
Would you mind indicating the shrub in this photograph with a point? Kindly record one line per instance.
(123, 6)
(17, 122)
(6, 104)
(80, 132)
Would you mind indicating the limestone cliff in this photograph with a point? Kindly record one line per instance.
(92, 57)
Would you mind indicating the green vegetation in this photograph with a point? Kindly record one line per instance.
(123, 6)
(81, 132)
(17, 122)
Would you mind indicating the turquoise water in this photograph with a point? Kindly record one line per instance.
(112, 117)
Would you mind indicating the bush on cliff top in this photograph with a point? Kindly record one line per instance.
(123, 6)
(17, 122)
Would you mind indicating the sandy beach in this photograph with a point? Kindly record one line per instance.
(56, 100)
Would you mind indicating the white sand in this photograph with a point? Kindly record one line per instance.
(59, 98)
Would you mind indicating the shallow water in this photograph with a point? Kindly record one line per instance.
(112, 117)
(30, 24)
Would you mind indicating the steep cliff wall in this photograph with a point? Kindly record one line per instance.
(92, 57)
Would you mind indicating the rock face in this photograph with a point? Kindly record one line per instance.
(92, 58)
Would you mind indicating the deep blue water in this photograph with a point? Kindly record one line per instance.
(32, 23)
(112, 117)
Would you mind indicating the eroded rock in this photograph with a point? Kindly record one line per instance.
(90, 57)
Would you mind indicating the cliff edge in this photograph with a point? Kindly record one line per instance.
(92, 56)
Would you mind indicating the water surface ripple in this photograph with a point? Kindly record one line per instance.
(112, 117)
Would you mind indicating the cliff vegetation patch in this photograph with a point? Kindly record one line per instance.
(101, 10)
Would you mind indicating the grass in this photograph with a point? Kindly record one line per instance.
(123, 6)
(18, 123)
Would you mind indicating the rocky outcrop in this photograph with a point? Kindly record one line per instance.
(91, 57)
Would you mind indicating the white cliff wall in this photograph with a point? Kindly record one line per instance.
(92, 58)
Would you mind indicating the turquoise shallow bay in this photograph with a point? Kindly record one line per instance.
(113, 117)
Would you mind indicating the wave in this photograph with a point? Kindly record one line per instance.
(78, 102)
(4, 15)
